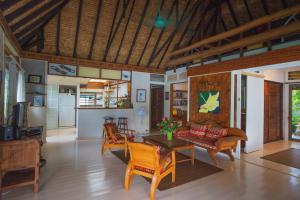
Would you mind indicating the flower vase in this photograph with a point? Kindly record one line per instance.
(170, 135)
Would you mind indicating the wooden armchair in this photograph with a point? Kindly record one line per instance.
(146, 160)
(20, 163)
(113, 138)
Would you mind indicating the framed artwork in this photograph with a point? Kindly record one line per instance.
(34, 79)
(140, 95)
(62, 70)
(126, 75)
(38, 100)
(167, 95)
(209, 102)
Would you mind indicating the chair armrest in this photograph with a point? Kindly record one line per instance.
(225, 142)
(236, 132)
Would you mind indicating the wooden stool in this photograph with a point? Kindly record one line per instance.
(107, 119)
(123, 124)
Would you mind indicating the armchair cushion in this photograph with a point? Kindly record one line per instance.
(216, 133)
(198, 130)
(182, 133)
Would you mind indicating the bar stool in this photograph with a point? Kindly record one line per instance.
(123, 124)
(107, 119)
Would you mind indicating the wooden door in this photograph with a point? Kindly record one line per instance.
(273, 111)
(157, 105)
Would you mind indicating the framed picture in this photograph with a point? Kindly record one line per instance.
(167, 95)
(126, 75)
(209, 102)
(34, 79)
(140, 95)
(62, 70)
(38, 100)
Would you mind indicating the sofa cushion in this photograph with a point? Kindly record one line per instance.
(201, 142)
(198, 130)
(216, 133)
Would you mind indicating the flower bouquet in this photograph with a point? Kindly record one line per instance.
(168, 127)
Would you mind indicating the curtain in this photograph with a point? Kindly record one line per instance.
(21, 87)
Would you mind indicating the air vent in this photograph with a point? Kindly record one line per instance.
(294, 75)
(172, 77)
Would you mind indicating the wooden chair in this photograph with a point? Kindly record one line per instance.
(113, 139)
(146, 160)
(20, 163)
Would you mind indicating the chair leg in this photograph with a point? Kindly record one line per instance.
(154, 185)
(128, 177)
(174, 166)
(103, 149)
(228, 152)
(213, 156)
(36, 187)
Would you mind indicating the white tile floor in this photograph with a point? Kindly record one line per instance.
(76, 171)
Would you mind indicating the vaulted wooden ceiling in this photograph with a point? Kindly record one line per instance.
(124, 31)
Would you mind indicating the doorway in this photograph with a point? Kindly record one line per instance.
(294, 119)
(273, 110)
(157, 105)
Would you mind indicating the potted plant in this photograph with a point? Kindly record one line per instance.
(168, 127)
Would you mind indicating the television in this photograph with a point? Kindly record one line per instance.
(18, 115)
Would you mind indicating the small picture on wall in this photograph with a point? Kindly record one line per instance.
(126, 75)
(209, 102)
(34, 79)
(167, 96)
(38, 100)
(61, 69)
(140, 95)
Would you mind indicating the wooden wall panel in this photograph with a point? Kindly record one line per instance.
(217, 82)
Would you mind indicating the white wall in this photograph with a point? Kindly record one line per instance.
(274, 75)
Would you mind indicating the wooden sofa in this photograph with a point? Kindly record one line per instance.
(212, 137)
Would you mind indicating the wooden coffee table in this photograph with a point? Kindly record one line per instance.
(173, 145)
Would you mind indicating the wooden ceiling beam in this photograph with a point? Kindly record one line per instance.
(248, 26)
(111, 30)
(77, 28)
(9, 34)
(88, 63)
(57, 51)
(34, 14)
(265, 6)
(233, 15)
(137, 31)
(124, 32)
(185, 15)
(4, 5)
(35, 26)
(200, 23)
(284, 4)
(256, 39)
(170, 39)
(160, 35)
(248, 10)
(13, 15)
(122, 16)
(150, 35)
(95, 29)
(269, 58)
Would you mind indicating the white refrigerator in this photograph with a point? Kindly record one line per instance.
(66, 107)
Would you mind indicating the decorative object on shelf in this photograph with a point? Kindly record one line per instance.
(209, 102)
(168, 127)
(126, 75)
(38, 100)
(167, 96)
(140, 95)
(34, 79)
(61, 69)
